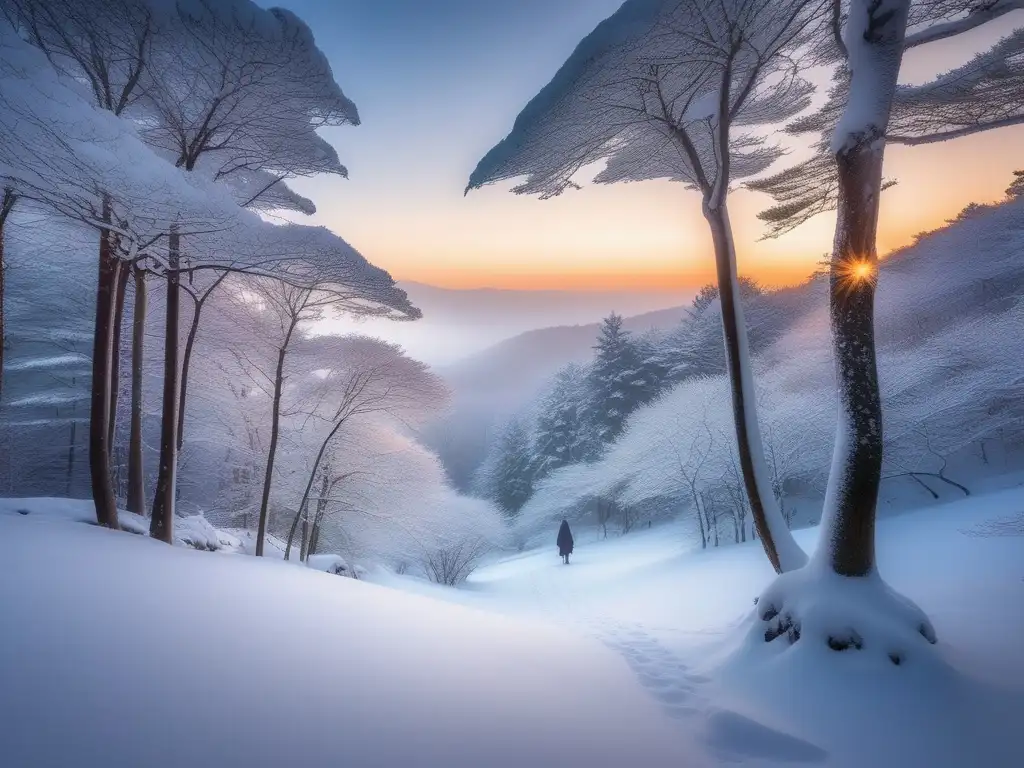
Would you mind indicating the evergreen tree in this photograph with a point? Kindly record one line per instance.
(564, 434)
(1016, 189)
(506, 475)
(617, 384)
(694, 347)
(654, 366)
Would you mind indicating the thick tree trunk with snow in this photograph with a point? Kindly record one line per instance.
(162, 523)
(115, 349)
(275, 429)
(99, 412)
(778, 542)
(875, 33)
(136, 468)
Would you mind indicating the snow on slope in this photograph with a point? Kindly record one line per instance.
(679, 619)
(117, 650)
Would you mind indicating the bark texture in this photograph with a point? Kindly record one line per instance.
(779, 545)
(162, 523)
(136, 466)
(123, 274)
(876, 29)
(99, 409)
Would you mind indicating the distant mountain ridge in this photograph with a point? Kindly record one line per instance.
(458, 323)
(525, 361)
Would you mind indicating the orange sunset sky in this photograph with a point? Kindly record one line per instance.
(437, 108)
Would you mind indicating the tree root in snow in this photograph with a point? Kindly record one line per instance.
(844, 613)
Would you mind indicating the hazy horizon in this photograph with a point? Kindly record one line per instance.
(460, 322)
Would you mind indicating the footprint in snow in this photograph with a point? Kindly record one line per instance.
(736, 738)
(662, 674)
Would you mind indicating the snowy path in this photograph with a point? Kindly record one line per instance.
(674, 618)
(662, 673)
(596, 598)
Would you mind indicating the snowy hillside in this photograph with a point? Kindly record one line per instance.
(678, 619)
(245, 662)
(948, 316)
(158, 656)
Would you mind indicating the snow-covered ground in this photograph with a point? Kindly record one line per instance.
(121, 651)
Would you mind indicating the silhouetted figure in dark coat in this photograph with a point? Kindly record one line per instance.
(564, 542)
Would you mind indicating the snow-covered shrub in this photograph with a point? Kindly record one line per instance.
(330, 564)
(196, 531)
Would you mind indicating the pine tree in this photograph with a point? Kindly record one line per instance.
(617, 384)
(506, 476)
(694, 347)
(654, 367)
(1016, 189)
(564, 434)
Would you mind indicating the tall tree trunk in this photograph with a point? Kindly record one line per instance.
(314, 536)
(275, 428)
(99, 410)
(136, 466)
(782, 550)
(186, 358)
(321, 507)
(6, 205)
(162, 523)
(123, 273)
(848, 519)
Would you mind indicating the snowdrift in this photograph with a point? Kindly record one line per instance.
(119, 650)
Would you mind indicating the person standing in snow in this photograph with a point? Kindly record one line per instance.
(564, 542)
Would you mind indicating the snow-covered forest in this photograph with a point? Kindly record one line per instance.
(643, 433)
(215, 396)
(797, 512)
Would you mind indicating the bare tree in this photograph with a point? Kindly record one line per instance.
(659, 89)
(284, 307)
(238, 93)
(107, 45)
(117, 186)
(371, 379)
(981, 95)
(871, 47)
(690, 468)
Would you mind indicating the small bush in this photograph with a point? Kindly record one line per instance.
(453, 563)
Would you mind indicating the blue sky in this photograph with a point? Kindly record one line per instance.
(437, 82)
